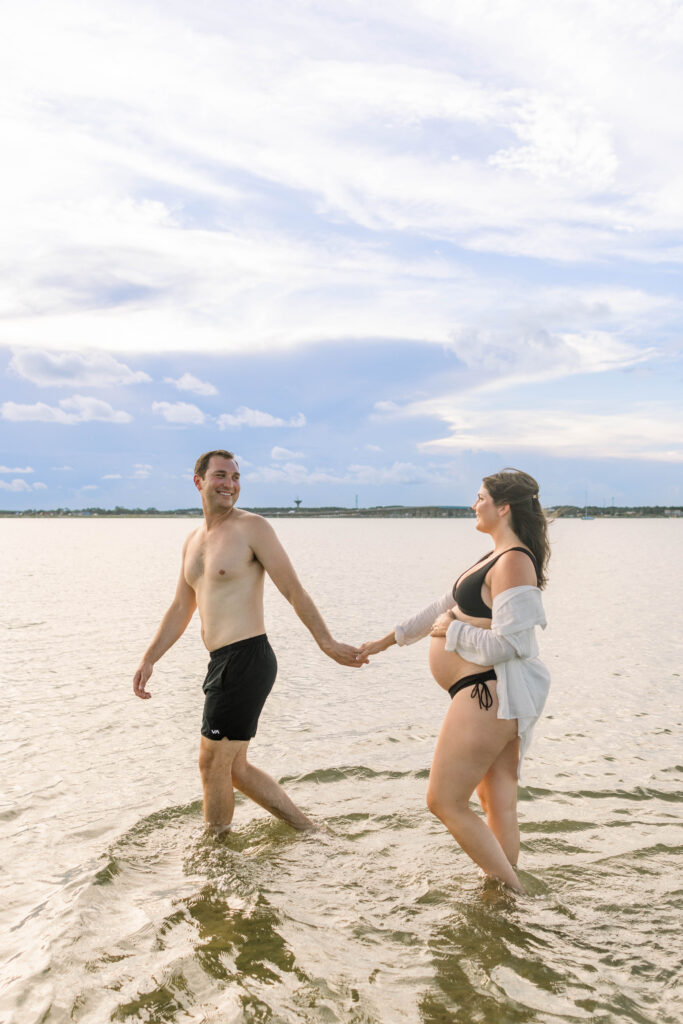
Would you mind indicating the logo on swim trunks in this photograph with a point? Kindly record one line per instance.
(215, 732)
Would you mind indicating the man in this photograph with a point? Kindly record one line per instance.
(223, 567)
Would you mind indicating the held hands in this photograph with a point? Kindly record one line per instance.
(343, 654)
(140, 680)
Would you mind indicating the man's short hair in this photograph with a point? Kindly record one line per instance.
(202, 463)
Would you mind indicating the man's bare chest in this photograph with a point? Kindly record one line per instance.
(218, 561)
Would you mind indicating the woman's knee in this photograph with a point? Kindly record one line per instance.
(442, 803)
(432, 800)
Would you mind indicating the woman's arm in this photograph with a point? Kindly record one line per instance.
(484, 647)
(419, 625)
(377, 646)
(411, 629)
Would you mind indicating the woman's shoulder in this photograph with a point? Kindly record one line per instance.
(514, 568)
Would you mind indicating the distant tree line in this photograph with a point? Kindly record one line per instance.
(376, 512)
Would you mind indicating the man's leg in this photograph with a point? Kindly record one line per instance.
(264, 790)
(216, 758)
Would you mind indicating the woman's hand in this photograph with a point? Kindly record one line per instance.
(441, 625)
(377, 646)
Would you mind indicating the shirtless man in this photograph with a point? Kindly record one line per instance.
(223, 567)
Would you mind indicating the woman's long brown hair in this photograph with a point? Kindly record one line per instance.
(520, 491)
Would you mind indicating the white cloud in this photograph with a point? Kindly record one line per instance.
(245, 417)
(73, 369)
(189, 383)
(78, 409)
(16, 469)
(509, 358)
(501, 359)
(644, 432)
(551, 147)
(372, 448)
(372, 476)
(63, 469)
(14, 485)
(284, 454)
(112, 476)
(179, 412)
(141, 471)
(387, 408)
(398, 473)
(38, 486)
(561, 140)
(90, 487)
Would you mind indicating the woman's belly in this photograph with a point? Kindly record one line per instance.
(448, 667)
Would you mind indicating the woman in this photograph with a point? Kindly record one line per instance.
(483, 651)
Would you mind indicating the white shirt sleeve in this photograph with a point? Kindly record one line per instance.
(484, 647)
(515, 613)
(420, 624)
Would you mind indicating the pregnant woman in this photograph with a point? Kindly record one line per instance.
(483, 652)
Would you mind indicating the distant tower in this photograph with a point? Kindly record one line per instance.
(356, 501)
(297, 502)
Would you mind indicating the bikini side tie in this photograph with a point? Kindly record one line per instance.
(483, 694)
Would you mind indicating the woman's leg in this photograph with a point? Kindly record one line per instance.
(497, 793)
(470, 742)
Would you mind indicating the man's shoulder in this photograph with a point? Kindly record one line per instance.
(191, 535)
(250, 521)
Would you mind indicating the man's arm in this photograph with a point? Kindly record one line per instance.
(173, 625)
(275, 561)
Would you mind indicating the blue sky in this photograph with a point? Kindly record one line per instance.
(376, 250)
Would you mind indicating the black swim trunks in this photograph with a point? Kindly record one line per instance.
(239, 678)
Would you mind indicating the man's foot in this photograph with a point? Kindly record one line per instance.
(218, 831)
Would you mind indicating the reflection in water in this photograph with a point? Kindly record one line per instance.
(238, 946)
(483, 933)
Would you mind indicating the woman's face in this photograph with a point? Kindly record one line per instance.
(487, 511)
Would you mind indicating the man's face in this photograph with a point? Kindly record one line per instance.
(221, 484)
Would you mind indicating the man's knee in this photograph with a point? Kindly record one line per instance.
(210, 757)
(206, 761)
(240, 771)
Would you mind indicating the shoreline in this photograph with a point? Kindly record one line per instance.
(338, 512)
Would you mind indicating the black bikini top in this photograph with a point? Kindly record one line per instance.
(467, 594)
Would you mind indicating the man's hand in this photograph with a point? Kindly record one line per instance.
(343, 654)
(141, 678)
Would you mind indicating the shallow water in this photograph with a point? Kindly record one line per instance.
(117, 907)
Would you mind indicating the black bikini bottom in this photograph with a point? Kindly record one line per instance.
(479, 688)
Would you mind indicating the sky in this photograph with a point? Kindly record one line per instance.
(376, 250)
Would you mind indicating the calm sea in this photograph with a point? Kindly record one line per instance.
(117, 907)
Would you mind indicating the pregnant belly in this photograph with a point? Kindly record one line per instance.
(448, 667)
